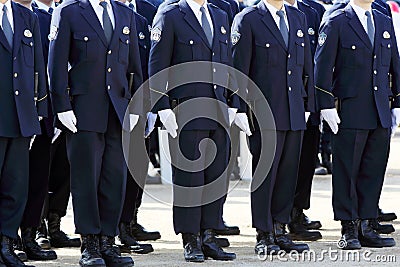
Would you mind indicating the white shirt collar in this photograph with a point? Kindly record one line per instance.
(45, 7)
(195, 6)
(359, 10)
(294, 5)
(9, 13)
(273, 9)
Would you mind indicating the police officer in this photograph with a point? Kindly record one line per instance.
(23, 99)
(358, 42)
(309, 150)
(184, 32)
(99, 41)
(272, 47)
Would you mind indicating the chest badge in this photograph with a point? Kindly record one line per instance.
(300, 33)
(223, 31)
(235, 37)
(27, 33)
(141, 35)
(322, 38)
(126, 30)
(155, 34)
(386, 35)
(311, 31)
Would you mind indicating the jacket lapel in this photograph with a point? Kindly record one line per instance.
(19, 28)
(269, 21)
(293, 28)
(117, 27)
(355, 23)
(378, 28)
(91, 17)
(4, 41)
(191, 19)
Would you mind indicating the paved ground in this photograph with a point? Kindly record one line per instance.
(168, 250)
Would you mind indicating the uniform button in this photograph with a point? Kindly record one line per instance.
(85, 39)
(302, 44)
(215, 87)
(213, 54)
(290, 88)
(353, 47)
(191, 42)
(15, 58)
(17, 92)
(15, 75)
(31, 44)
(267, 45)
(127, 41)
(388, 45)
(375, 72)
(109, 69)
(288, 56)
(109, 87)
(374, 56)
(289, 72)
(109, 52)
(214, 70)
(375, 88)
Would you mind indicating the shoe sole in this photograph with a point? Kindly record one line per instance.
(230, 259)
(300, 238)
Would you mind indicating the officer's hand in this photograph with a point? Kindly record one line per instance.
(168, 119)
(232, 114)
(151, 122)
(242, 122)
(332, 118)
(307, 115)
(68, 119)
(395, 120)
(133, 120)
(57, 133)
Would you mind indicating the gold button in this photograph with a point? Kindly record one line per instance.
(109, 52)
(191, 42)
(109, 87)
(85, 39)
(16, 92)
(289, 72)
(109, 69)
(375, 88)
(353, 47)
(290, 88)
(15, 75)
(267, 45)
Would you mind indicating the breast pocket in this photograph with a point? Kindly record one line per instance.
(86, 45)
(267, 51)
(28, 51)
(190, 48)
(223, 47)
(386, 53)
(123, 51)
(300, 52)
(353, 54)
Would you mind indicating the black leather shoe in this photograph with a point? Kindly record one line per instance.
(349, 239)
(297, 229)
(310, 225)
(283, 240)
(58, 238)
(129, 243)
(7, 253)
(381, 228)
(319, 170)
(140, 233)
(212, 250)
(369, 238)
(222, 242)
(228, 230)
(110, 256)
(386, 217)
(192, 248)
(41, 236)
(32, 249)
(265, 244)
(91, 256)
(18, 250)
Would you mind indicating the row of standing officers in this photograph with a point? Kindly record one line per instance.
(97, 60)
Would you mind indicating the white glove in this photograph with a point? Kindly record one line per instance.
(332, 118)
(68, 119)
(151, 121)
(168, 119)
(232, 114)
(307, 115)
(395, 120)
(57, 133)
(133, 120)
(242, 122)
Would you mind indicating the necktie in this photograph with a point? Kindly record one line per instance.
(370, 27)
(206, 26)
(7, 27)
(282, 26)
(107, 26)
(51, 10)
(132, 6)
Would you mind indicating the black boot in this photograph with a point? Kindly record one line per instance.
(284, 241)
(228, 230)
(297, 229)
(19, 250)
(310, 225)
(349, 239)
(91, 256)
(129, 243)
(7, 253)
(212, 250)
(381, 228)
(369, 238)
(58, 238)
(222, 242)
(386, 217)
(192, 248)
(140, 233)
(110, 256)
(265, 244)
(32, 249)
(41, 236)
